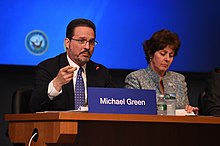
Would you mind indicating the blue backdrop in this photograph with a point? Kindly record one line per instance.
(122, 26)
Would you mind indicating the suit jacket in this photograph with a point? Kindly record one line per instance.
(147, 79)
(97, 76)
(212, 94)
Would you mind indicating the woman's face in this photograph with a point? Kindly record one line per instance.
(162, 60)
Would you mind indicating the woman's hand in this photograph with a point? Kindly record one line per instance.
(190, 109)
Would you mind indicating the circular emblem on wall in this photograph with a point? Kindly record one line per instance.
(36, 42)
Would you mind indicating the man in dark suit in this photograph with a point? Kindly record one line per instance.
(212, 94)
(56, 77)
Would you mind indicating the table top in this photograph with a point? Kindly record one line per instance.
(84, 116)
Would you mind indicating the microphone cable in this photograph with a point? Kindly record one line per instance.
(29, 144)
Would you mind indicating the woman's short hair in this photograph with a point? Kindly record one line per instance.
(160, 40)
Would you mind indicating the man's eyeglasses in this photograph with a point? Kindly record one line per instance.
(84, 42)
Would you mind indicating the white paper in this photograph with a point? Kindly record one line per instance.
(81, 109)
(182, 112)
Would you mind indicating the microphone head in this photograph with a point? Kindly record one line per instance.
(217, 69)
(97, 68)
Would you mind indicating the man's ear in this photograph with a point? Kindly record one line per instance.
(67, 43)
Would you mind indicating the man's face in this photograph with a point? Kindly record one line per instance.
(79, 48)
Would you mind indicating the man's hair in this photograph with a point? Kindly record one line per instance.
(78, 22)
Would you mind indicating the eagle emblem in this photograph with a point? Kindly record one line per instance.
(36, 42)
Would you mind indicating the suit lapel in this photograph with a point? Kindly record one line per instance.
(68, 87)
(91, 73)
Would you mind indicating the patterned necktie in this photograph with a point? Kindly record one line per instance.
(79, 99)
